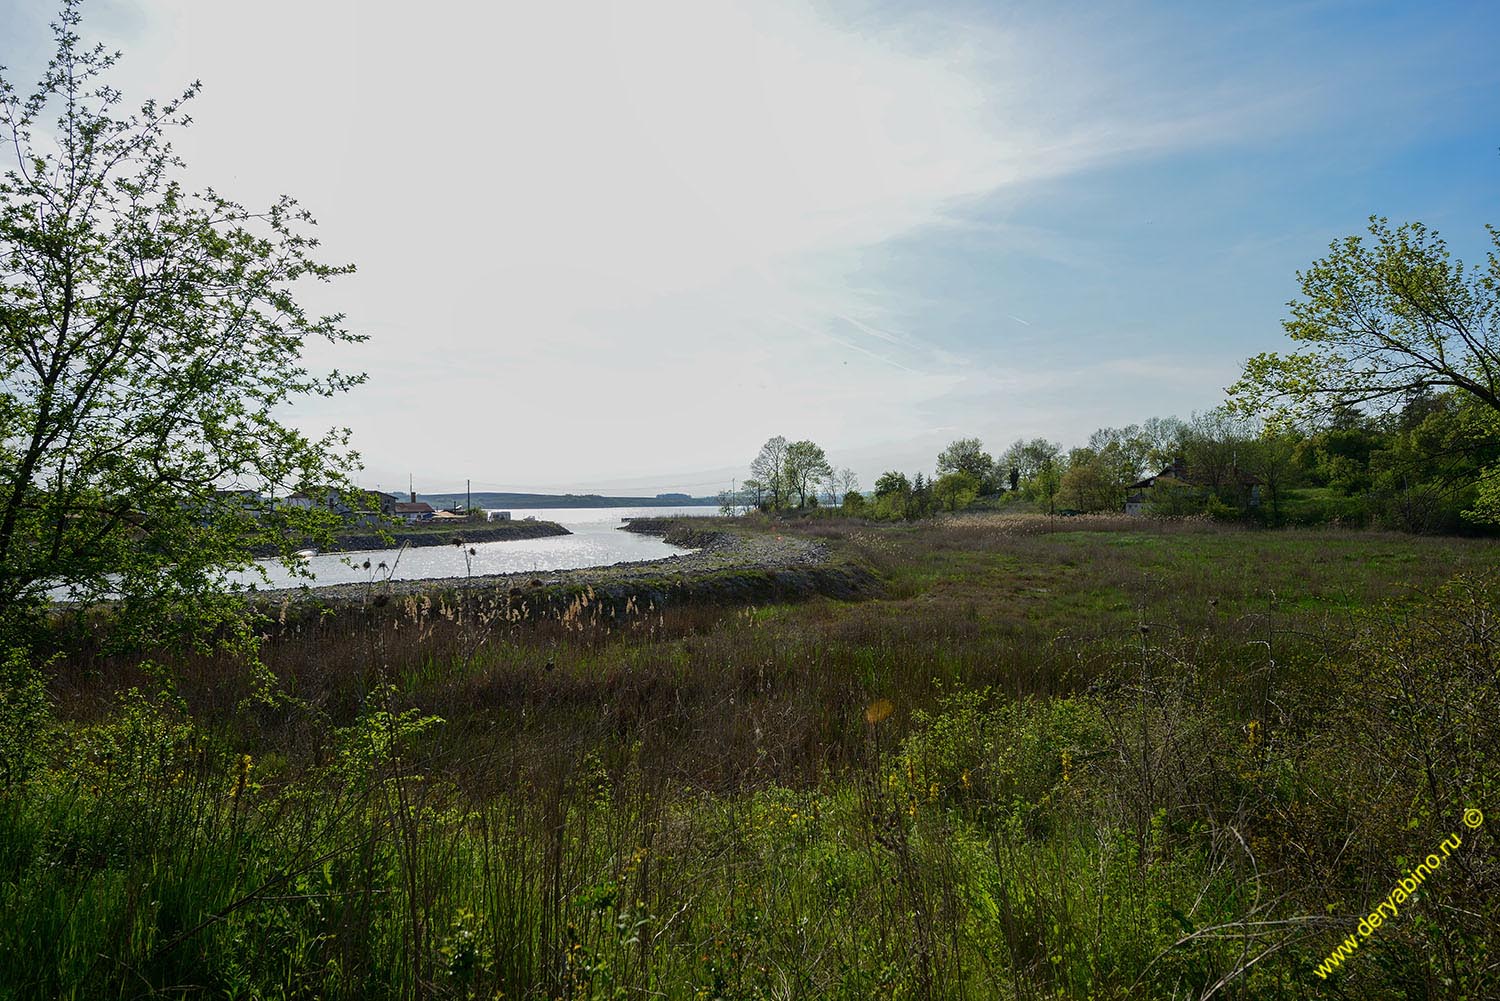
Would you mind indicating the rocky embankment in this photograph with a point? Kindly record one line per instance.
(494, 531)
(727, 567)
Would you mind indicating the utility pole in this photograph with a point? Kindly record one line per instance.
(468, 497)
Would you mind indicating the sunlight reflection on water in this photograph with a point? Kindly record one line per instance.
(596, 541)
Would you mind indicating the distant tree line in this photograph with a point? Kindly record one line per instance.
(1388, 414)
(1419, 467)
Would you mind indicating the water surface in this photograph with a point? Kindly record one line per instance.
(596, 541)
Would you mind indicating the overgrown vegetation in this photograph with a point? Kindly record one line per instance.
(150, 345)
(1130, 758)
(1126, 760)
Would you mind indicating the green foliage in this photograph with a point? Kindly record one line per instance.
(967, 455)
(1486, 506)
(1092, 482)
(1386, 323)
(1219, 510)
(1175, 501)
(25, 718)
(768, 474)
(954, 491)
(1037, 465)
(1420, 469)
(920, 504)
(805, 466)
(893, 496)
(1047, 483)
(979, 750)
(150, 340)
(1383, 319)
(378, 735)
(890, 483)
(1049, 798)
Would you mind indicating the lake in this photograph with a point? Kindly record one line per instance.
(596, 541)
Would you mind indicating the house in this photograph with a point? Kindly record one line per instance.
(1193, 486)
(250, 500)
(372, 507)
(326, 498)
(386, 502)
(413, 511)
(1138, 494)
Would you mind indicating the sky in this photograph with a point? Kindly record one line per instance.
(615, 246)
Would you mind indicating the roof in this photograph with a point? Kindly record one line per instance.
(1164, 478)
(1176, 475)
(420, 507)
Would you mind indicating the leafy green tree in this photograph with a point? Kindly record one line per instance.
(768, 472)
(967, 455)
(892, 495)
(1381, 318)
(1091, 482)
(1030, 459)
(1047, 480)
(955, 490)
(1099, 475)
(1211, 444)
(1340, 452)
(1483, 428)
(805, 466)
(890, 483)
(1162, 440)
(1271, 458)
(149, 337)
(1126, 452)
(921, 497)
(1427, 472)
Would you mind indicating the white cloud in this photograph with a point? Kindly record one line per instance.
(600, 239)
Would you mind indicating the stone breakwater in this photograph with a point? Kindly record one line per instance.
(728, 567)
(505, 531)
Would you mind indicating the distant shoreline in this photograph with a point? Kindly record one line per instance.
(726, 566)
(495, 499)
(504, 531)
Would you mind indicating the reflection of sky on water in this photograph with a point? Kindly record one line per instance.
(596, 541)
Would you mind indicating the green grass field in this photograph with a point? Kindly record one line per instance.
(1078, 758)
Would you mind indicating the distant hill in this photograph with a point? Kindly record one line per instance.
(488, 499)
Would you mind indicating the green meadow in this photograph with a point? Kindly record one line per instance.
(1089, 757)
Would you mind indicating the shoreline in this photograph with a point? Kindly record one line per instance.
(725, 565)
(506, 531)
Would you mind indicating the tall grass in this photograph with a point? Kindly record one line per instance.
(1178, 761)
